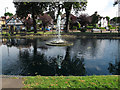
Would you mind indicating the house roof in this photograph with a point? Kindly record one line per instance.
(14, 21)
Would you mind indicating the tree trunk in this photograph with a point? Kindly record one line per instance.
(34, 21)
(44, 28)
(67, 22)
(58, 11)
(67, 10)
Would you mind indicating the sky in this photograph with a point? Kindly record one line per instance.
(103, 7)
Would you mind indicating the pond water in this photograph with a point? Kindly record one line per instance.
(30, 57)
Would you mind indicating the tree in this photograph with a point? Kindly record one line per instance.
(8, 14)
(34, 8)
(76, 6)
(84, 19)
(115, 20)
(46, 20)
(95, 19)
(108, 19)
(116, 2)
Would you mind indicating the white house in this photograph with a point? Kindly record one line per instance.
(103, 22)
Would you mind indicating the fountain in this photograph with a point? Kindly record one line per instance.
(59, 41)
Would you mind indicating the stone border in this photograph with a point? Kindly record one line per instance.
(94, 36)
(12, 76)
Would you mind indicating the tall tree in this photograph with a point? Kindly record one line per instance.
(77, 6)
(95, 19)
(108, 19)
(34, 8)
(46, 20)
(84, 19)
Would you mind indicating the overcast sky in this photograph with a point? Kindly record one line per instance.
(103, 7)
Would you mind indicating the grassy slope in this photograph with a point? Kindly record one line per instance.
(71, 82)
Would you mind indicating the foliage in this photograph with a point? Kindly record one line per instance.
(90, 27)
(46, 19)
(95, 18)
(105, 82)
(84, 19)
(112, 27)
(115, 19)
(77, 6)
(8, 14)
(74, 27)
(34, 8)
(101, 28)
(109, 25)
(79, 25)
(116, 2)
(83, 29)
(108, 19)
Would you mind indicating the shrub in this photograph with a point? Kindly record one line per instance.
(90, 27)
(101, 28)
(83, 29)
(74, 27)
(112, 27)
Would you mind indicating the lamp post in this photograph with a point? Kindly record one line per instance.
(5, 11)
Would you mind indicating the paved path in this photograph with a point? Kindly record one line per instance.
(9, 82)
(12, 83)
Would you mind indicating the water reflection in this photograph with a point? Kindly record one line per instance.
(86, 57)
(114, 68)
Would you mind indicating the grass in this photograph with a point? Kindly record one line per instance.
(71, 82)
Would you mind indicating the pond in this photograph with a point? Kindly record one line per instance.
(31, 57)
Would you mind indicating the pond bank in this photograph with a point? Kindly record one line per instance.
(75, 35)
(108, 81)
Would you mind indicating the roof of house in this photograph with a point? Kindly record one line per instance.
(14, 21)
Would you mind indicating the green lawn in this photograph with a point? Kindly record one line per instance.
(71, 82)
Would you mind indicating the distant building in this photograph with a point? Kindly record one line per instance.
(103, 22)
(14, 21)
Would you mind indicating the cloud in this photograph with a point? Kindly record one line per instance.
(103, 7)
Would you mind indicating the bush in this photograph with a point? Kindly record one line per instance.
(90, 27)
(83, 29)
(112, 27)
(101, 28)
(74, 27)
